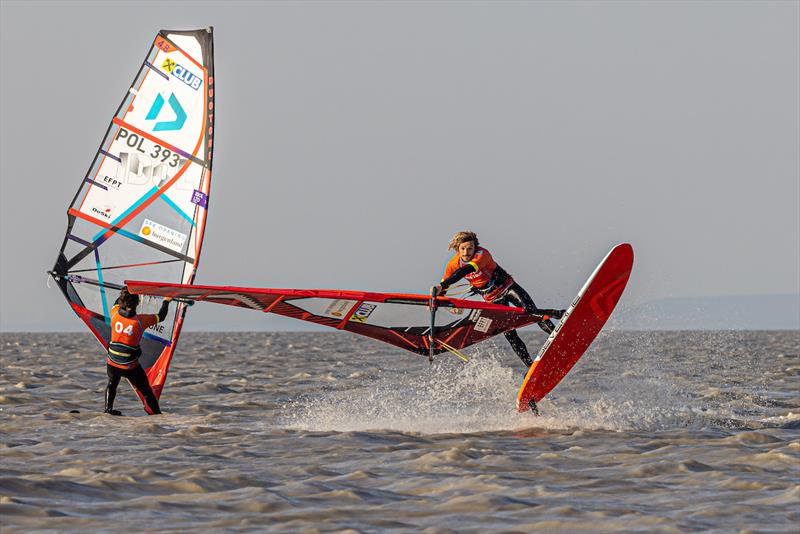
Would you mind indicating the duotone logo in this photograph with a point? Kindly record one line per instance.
(155, 110)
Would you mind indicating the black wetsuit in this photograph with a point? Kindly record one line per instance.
(515, 295)
(135, 375)
(137, 378)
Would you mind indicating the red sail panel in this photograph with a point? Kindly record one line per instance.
(399, 319)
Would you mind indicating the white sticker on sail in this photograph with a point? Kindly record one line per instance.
(483, 324)
(162, 235)
(333, 308)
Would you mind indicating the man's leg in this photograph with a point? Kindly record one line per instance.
(513, 298)
(520, 298)
(138, 379)
(111, 389)
(519, 347)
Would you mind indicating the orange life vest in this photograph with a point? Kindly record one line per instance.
(484, 267)
(126, 334)
(481, 279)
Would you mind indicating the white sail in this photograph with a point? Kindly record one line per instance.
(140, 211)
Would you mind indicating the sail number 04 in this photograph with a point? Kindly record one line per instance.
(120, 328)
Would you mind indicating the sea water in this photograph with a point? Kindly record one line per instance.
(288, 432)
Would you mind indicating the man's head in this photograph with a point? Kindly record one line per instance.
(465, 244)
(127, 301)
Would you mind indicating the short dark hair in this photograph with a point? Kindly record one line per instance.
(127, 300)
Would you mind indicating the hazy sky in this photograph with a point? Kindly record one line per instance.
(352, 139)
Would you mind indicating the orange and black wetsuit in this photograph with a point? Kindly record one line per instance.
(127, 329)
(496, 285)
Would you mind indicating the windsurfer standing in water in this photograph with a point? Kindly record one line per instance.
(493, 283)
(127, 329)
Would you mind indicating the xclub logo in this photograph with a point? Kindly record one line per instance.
(182, 73)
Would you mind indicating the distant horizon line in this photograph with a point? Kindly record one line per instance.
(329, 331)
(626, 313)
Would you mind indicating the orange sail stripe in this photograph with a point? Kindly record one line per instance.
(349, 314)
(403, 338)
(89, 218)
(451, 336)
(271, 306)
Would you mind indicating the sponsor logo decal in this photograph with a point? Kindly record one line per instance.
(164, 45)
(483, 324)
(162, 235)
(104, 212)
(111, 182)
(363, 311)
(200, 198)
(182, 73)
(474, 315)
(159, 328)
(155, 111)
(338, 308)
(542, 350)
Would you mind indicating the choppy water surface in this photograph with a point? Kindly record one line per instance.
(651, 432)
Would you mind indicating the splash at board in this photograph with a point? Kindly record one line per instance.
(141, 209)
(579, 326)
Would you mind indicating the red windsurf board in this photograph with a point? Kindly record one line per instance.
(581, 323)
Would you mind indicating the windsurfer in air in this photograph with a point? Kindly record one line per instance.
(493, 283)
(127, 329)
